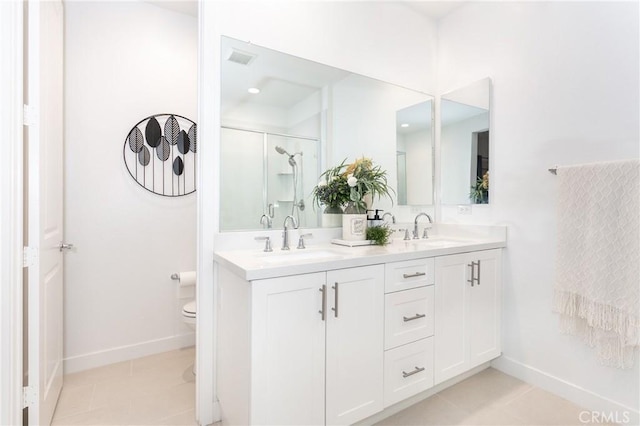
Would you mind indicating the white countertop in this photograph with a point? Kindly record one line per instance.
(254, 264)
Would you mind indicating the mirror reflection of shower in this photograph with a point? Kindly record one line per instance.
(297, 205)
(266, 174)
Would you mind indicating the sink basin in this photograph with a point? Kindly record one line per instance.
(296, 256)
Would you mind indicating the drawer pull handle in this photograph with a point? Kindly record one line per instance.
(411, 373)
(416, 274)
(417, 316)
(323, 309)
(335, 300)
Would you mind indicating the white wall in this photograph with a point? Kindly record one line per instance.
(124, 61)
(565, 79)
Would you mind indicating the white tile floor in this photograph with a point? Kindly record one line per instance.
(154, 390)
(160, 390)
(490, 398)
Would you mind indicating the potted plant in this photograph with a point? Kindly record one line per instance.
(365, 178)
(480, 190)
(332, 192)
(347, 185)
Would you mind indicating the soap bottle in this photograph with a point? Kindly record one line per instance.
(377, 220)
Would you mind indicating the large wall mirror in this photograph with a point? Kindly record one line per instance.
(285, 120)
(464, 136)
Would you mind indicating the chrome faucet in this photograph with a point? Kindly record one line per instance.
(269, 221)
(393, 218)
(415, 226)
(285, 232)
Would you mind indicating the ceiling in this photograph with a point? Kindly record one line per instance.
(435, 10)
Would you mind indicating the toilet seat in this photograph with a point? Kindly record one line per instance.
(189, 309)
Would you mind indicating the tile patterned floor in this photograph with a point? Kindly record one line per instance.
(154, 390)
(160, 390)
(490, 398)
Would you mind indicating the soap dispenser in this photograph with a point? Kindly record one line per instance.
(377, 220)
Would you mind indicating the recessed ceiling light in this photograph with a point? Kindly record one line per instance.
(253, 90)
(404, 125)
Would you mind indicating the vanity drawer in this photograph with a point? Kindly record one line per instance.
(410, 274)
(408, 316)
(408, 370)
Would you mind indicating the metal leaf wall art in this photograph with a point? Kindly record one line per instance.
(164, 164)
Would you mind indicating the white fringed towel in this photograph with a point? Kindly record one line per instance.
(598, 260)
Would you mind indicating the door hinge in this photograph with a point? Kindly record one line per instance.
(29, 115)
(29, 396)
(29, 256)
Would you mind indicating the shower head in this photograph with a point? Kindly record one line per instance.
(292, 162)
(281, 150)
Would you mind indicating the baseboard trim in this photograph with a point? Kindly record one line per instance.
(574, 393)
(125, 353)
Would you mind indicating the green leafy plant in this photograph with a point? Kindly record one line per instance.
(379, 234)
(480, 190)
(363, 177)
(348, 183)
(332, 190)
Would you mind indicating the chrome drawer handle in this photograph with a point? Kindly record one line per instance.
(417, 274)
(323, 310)
(411, 373)
(417, 316)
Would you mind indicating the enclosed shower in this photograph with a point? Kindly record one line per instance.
(266, 173)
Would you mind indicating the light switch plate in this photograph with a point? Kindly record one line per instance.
(464, 209)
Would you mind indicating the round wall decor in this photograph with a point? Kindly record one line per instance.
(160, 154)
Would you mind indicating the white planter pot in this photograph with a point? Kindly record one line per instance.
(331, 220)
(354, 227)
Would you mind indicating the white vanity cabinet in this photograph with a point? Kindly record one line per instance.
(409, 327)
(467, 310)
(313, 345)
(336, 341)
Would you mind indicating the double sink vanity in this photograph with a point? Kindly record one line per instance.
(334, 335)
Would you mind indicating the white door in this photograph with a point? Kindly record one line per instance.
(355, 344)
(288, 350)
(45, 206)
(451, 311)
(485, 307)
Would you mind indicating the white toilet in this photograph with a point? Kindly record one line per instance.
(187, 279)
(189, 318)
(189, 314)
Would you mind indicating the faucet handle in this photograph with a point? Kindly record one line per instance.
(269, 221)
(406, 233)
(425, 235)
(267, 243)
(301, 240)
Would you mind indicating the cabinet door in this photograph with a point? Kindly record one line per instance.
(451, 311)
(288, 351)
(485, 307)
(355, 352)
(467, 312)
